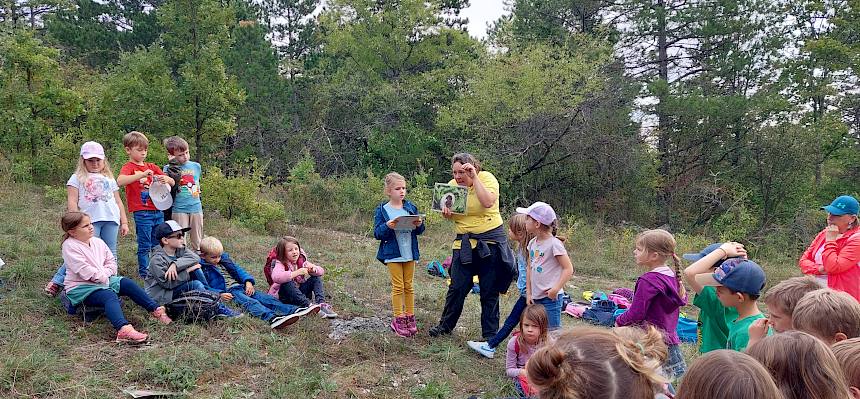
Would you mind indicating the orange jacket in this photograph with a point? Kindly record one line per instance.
(841, 261)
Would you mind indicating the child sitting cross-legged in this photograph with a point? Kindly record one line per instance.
(219, 268)
(175, 269)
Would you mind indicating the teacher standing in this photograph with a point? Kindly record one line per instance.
(480, 248)
(834, 255)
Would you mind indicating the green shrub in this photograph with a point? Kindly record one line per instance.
(240, 198)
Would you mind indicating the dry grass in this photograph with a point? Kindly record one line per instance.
(47, 354)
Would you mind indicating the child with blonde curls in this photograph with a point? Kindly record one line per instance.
(594, 363)
(725, 373)
(658, 294)
(802, 366)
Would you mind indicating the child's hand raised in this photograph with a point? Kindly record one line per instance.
(733, 249)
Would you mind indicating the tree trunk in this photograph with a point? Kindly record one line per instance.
(664, 196)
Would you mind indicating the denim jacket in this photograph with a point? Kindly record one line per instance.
(388, 248)
(215, 279)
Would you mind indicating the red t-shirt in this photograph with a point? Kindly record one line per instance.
(137, 193)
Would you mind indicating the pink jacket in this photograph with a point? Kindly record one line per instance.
(841, 261)
(87, 263)
(284, 274)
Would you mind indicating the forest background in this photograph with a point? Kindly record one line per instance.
(728, 118)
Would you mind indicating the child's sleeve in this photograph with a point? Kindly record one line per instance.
(511, 369)
(280, 274)
(110, 261)
(77, 262)
(381, 231)
(186, 260)
(237, 272)
(643, 292)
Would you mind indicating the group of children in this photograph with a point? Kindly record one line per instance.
(640, 357)
(169, 269)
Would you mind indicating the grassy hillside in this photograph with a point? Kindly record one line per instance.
(45, 353)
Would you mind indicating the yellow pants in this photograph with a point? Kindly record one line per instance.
(402, 295)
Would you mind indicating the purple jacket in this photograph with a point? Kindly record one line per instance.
(656, 301)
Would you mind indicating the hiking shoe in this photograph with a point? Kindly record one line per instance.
(326, 311)
(439, 330)
(398, 325)
(411, 324)
(128, 334)
(482, 348)
(225, 312)
(52, 289)
(160, 314)
(279, 322)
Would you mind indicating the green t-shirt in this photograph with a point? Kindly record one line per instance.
(714, 320)
(739, 335)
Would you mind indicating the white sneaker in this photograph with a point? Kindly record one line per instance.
(482, 348)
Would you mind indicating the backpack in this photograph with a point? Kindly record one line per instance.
(193, 306)
(601, 312)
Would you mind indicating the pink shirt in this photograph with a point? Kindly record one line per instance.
(87, 263)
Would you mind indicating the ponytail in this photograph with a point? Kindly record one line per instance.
(677, 261)
(644, 355)
(551, 371)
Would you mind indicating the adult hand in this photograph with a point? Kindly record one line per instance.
(249, 288)
(171, 273)
(831, 232)
(123, 229)
(446, 212)
(226, 297)
(470, 170)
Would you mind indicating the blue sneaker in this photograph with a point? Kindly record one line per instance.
(226, 313)
(482, 348)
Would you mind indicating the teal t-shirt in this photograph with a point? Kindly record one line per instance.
(188, 193)
(714, 320)
(739, 335)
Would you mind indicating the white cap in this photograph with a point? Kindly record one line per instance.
(159, 193)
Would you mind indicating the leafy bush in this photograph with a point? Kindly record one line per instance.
(240, 198)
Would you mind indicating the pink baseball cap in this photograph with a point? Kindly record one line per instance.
(91, 149)
(540, 211)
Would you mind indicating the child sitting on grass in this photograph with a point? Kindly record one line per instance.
(801, 365)
(91, 278)
(781, 300)
(175, 269)
(532, 335)
(295, 280)
(829, 315)
(219, 268)
(847, 353)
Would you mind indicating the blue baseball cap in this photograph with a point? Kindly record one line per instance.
(736, 274)
(843, 205)
(693, 257)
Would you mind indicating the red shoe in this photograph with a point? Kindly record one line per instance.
(128, 334)
(411, 324)
(160, 314)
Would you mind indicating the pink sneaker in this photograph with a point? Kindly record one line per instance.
(411, 324)
(160, 314)
(398, 325)
(128, 334)
(52, 289)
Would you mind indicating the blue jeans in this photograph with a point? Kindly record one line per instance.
(553, 311)
(144, 226)
(510, 323)
(260, 304)
(105, 230)
(300, 294)
(675, 366)
(110, 301)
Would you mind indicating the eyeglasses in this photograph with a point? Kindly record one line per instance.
(180, 235)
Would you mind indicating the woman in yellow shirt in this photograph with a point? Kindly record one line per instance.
(487, 255)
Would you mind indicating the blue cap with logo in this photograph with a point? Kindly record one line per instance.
(843, 205)
(736, 274)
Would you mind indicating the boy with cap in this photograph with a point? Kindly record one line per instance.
(714, 318)
(739, 282)
(175, 269)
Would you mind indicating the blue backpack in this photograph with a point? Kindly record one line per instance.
(601, 312)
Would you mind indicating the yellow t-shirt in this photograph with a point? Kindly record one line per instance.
(477, 218)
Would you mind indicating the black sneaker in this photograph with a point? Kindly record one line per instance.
(439, 330)
(279, 322)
